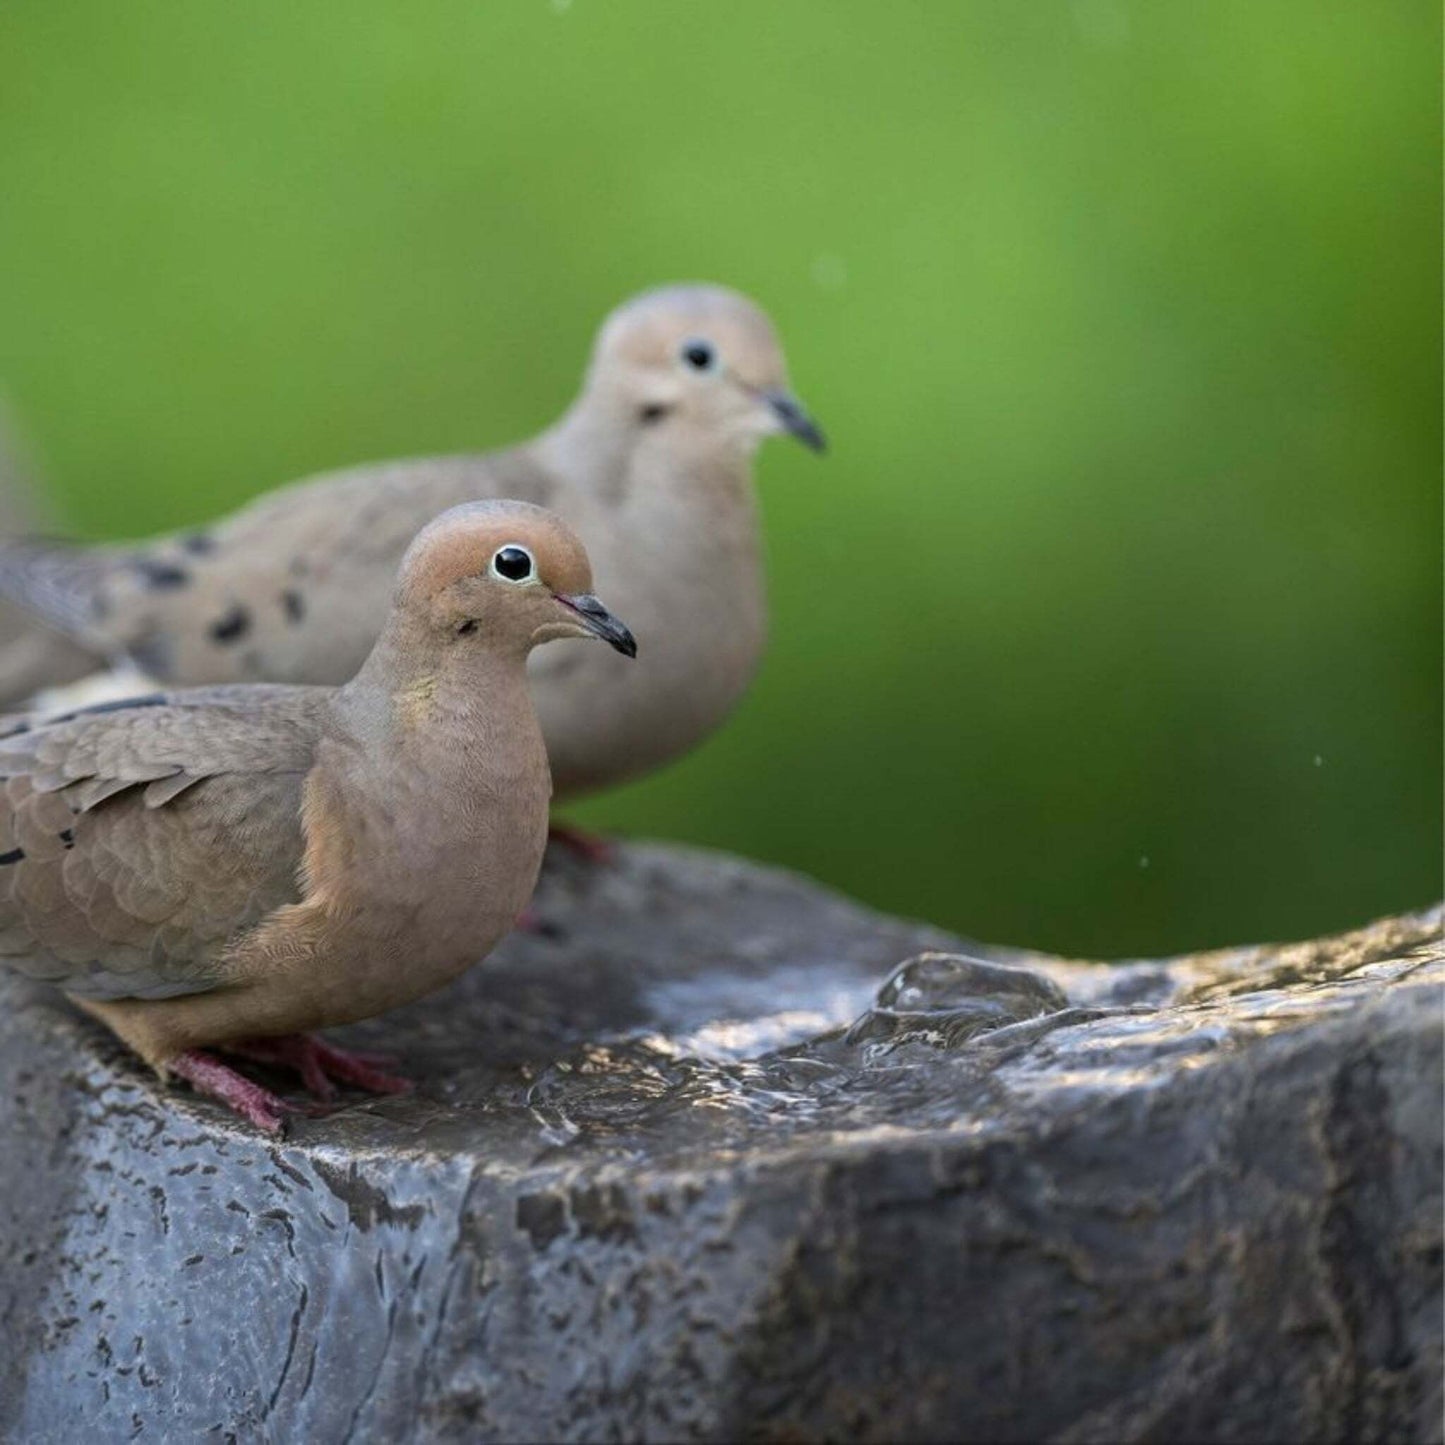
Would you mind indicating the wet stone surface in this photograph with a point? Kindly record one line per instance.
(719, 1155)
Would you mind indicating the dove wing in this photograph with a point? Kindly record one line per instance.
(137, 839)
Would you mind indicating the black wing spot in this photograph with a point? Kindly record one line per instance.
(116, 704)
(199, 544)
(653, 413)
(13, 856)
(67, 836)
(161, 576)
(294, 604)
(232, 627)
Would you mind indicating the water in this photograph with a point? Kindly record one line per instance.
(931, 1006)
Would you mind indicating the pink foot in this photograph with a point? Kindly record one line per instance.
(589, 847)
(319, 1064)
(207, 1075)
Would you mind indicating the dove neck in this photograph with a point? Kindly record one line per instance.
(605, 453)
(585, 443)
(459, 694)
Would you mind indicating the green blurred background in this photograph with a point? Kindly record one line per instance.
(1123, 320)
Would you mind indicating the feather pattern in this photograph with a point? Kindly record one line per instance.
(139, 839)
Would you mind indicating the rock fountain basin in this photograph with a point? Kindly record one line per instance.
(720, 1155)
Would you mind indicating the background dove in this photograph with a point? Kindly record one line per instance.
(232, 866)
(651, 465)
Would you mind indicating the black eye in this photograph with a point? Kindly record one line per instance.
(699, 354)
(513, 563)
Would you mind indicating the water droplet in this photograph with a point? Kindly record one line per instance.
(1319, 761)
(945, 999)
(1143, 860)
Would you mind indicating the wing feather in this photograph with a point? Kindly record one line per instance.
(139, 839)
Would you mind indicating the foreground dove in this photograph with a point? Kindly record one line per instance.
(232, 867)
(651, 466)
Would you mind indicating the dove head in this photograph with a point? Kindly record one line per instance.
(503, 576)
(695, 362)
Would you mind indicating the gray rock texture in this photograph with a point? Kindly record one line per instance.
(702, 1162)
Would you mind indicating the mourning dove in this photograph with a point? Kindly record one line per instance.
(651, 465)
(231, 867)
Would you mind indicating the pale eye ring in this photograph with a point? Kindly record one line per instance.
(514, 563)
(697, 353)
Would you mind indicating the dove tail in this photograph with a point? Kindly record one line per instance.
(57, 582)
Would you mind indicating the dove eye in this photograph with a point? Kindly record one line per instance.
(514, 563)
(699, 354)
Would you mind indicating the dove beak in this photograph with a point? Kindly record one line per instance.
(794, 420)
(599, 621)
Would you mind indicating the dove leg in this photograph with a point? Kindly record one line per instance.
(589, 847)
(207, 1075)
(322, 1065)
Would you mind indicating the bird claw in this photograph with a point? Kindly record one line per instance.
(207, 1075)
(362, 1070)
(322, 1066)
(378, 1058)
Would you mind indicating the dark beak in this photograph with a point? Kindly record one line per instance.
(796, 422)
(600, 622)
